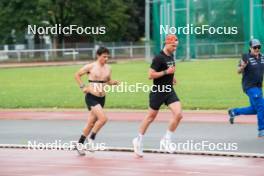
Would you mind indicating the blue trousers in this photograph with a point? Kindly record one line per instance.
(256, 106)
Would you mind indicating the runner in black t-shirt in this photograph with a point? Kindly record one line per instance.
(162, 72)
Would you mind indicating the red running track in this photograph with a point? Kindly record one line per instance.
(189, 116)
(23, 162)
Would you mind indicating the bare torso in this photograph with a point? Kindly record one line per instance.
(98, 72)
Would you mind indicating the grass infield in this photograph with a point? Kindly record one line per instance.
(203, 84)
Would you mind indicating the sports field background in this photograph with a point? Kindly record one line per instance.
(202, 84)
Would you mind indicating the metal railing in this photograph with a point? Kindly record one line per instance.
(125, 51)
(130, 51)
(219, 50)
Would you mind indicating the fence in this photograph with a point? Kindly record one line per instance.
(202, 50)
(27, 55)
(219, 50)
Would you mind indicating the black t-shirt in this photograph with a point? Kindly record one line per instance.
(253, 73)
(162, 62)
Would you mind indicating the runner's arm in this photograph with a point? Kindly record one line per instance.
(154, 74)
(84, 70)
(242, 64)
(110, 81)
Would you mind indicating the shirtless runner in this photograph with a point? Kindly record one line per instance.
(99, 74)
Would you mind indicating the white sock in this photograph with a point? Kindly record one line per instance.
(168, 134)
(140, 137)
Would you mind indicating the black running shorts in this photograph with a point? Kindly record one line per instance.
(92, 100)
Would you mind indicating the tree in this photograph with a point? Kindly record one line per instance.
(14, 17)
(18, 14)
(136, 26)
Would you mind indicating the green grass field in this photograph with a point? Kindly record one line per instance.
(203, 84)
